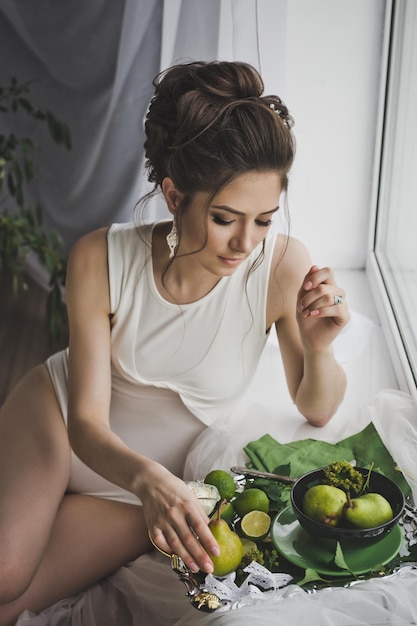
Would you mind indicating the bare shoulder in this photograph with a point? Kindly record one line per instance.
(289, 253)
(90, 247)
(87, 274)
(290, 263)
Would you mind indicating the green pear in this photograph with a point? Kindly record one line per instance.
(231, 550)
(324, 503)
(368, 511)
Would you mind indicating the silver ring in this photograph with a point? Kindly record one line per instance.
(338, 299)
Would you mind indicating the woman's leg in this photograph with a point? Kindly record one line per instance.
(34, 470)
(90, 539)
(51, 546)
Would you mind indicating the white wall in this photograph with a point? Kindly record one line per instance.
(333, 73)
(323, 57)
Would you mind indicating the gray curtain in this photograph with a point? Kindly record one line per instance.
(92, 64)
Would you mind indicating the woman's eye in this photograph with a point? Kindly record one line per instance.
(218, 220)
(222, 222)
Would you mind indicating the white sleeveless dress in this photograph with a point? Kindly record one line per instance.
(175, 368)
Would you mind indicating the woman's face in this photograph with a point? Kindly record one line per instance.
(236, 221)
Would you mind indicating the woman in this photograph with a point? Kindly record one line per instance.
(167, 325)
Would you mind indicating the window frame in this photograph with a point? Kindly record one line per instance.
(377, 275)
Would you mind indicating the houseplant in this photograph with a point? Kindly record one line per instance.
(21, 229)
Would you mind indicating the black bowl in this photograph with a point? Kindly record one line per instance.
(377, 484)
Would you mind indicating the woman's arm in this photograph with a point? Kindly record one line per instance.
(301, 302)
(173, 514)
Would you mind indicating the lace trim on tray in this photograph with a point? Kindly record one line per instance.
(259, 579)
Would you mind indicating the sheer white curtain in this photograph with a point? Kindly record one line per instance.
(233, 30)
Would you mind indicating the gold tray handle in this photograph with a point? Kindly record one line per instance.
(201, 599)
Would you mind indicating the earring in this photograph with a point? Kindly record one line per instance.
(172, 240)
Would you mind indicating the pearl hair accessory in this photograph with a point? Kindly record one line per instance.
(287, 119)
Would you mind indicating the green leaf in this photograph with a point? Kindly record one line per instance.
(310, 576)
(54, 127)
(339, 559)
(11, 184)
(18, 176)
(24, 102)
(27, 146)
(28, 169)
(39, 115)
(22, 231)
(38, 213)
(66, 136)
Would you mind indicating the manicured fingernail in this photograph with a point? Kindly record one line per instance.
(194, 567)
(300, 308)
(315, 312)
(308, 285)
(215, 551)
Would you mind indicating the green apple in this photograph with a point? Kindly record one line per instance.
(324, 503)
(368, 511)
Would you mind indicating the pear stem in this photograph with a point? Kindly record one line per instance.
(218, 507)
(368, 477)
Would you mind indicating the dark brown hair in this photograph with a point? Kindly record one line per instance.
(208, 122)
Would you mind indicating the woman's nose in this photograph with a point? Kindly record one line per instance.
(242, 241)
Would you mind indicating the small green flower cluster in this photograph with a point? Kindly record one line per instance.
(343, 475)
(252, 555)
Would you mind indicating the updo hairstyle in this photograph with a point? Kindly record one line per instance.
(208, 122)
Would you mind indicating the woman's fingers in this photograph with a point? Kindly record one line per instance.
(176, 521)
(322, 302)
(192, 546)
(319, 294)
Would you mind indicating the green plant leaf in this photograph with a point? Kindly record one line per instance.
(310, 576)
(339, 559)
(22, 232)
(26, 104)
(11, 184)
(28, 169)
(18, 180)
(54, 127)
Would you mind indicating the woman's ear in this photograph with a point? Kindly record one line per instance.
(172, 196)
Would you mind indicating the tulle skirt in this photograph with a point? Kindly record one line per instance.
(148, 593)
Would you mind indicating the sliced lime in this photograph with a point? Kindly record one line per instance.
(255, 525)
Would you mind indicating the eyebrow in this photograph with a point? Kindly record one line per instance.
(230, 210)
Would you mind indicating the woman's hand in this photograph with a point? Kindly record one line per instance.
(176, 521)
(319, 314)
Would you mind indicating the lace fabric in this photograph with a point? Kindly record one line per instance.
(259, 579)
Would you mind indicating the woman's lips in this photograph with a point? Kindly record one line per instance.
(231, 261)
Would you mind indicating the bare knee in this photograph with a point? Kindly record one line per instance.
(15, 577)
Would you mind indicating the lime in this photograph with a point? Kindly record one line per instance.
(227, 512)
(255, 525)
(252, 499)
(248, 545)
(223, 481)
